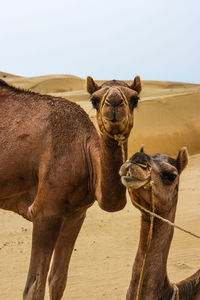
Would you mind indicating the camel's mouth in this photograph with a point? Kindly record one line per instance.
(115, 114)
(113, 121)
(135, 175)
(133, 182)
(115, 125)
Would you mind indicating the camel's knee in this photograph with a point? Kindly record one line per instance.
(57, 284)
(29, 290)
(58, 277)
(32, 291)
(45, 232)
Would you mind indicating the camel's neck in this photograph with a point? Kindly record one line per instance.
(109, 191)
(156, 284)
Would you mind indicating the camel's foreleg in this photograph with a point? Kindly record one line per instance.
(45, 232)
(62, 254)
(46, 228)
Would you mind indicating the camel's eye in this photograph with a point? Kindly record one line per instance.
(95, 102)
(134, 101)
(121, 102)
(168, 177)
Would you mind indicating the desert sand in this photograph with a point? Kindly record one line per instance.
(166, 119)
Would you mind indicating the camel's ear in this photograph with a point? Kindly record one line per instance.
(136, 85)
(142, 148)
(182, 159)
(92, 86)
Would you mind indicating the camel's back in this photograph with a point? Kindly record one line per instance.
(32, 124)
(24, 113)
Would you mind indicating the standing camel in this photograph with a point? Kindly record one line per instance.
(54, 165)
(164, 172)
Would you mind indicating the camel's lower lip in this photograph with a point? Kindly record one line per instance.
(133, 182)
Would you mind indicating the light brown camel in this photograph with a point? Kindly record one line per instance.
(164, 171)
(54, 165)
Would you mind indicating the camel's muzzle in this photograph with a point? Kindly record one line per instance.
(135, 175)
(114, 109)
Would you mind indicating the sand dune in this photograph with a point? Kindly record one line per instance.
(58, 84)
(48, 83)
(166, 119)
(7, 76)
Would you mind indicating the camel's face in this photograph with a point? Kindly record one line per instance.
(114, 102)
(162, 170)
(136, 172)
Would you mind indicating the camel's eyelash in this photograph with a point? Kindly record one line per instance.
(134, 100)
(95, 101)
(169, 176)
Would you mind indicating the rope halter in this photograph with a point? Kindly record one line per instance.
(120, 138)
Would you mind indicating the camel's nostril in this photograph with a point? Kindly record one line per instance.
(108, 103)
(143, 166)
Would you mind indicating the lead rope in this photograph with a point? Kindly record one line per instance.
(120, 138)
(124, 156)
(164, 220)
(149, 238)
(175, 295)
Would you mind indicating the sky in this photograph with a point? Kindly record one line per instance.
(106, 39)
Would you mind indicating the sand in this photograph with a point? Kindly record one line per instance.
(166, 119)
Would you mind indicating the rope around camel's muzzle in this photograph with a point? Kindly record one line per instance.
(120, 138)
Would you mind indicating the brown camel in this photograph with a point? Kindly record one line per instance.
(54, 165)
(164, 171)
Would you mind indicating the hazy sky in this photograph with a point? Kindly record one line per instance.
(107, 39)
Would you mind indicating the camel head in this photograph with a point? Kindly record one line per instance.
(114, 101)
(162, 170)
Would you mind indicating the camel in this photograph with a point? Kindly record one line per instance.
(54, 165)
(136, 175)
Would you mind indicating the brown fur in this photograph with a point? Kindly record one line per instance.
(53, 165)
(165, 172)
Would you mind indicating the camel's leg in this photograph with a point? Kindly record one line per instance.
(63, 250)
(45, 232)
(47, 222)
